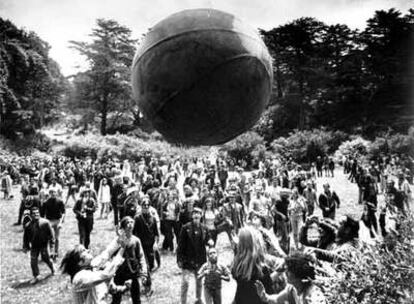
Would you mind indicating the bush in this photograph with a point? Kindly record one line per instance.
(382, 273)
(122, 147)
(396, 143)
(354, 147)
(305, 146)
(248, 148)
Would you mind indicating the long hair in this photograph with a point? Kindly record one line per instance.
(71, 261)
(250, 255)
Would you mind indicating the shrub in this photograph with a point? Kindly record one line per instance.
(382, 273)
(247, 148)
(395, 143)
(356, 146)
(305, 146)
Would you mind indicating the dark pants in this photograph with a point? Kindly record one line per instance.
(212, 296)
(122, 275)
(34, 258)
(371, 221)
(169, 227)
(85, 226)
(149, 255)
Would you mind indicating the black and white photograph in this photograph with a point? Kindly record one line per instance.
(207, 151)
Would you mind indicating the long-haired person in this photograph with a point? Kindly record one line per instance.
(104, 197)
(209, 217)
(300, 273)
(249, 266)
(87, 284)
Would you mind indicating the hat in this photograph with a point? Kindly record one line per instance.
(196, 209)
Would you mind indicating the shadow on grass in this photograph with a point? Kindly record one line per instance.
(28, 283)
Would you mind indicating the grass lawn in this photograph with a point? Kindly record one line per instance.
(16, 271)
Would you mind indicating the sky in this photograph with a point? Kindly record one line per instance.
(59, 21)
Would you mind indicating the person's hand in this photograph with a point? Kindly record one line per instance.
(59, 226)
(25, 250)
(310, 250)
(260, 291)
(180, 264)
(210, 243)
(128, 284)
(155, 247)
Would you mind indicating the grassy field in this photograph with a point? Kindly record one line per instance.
(16, 271)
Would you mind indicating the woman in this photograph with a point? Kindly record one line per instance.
(104, 197)
(249, 266)
(88, 287)
(300, 273)
(169, 223)
(296, 211)
(209, 216)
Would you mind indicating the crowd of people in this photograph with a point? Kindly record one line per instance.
(170, 204)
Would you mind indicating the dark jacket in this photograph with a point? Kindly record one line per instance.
(145, 229)
(38, 234)
(190, 254)
(328, 203)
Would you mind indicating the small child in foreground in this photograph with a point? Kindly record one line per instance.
(213, 273)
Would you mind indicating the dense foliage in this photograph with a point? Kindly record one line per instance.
(103, 91)
(31, 85)
(382, 273)
(355, 81)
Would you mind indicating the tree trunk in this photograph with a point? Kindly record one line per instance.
(104, 114)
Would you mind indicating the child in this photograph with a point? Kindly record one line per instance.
(213, 274)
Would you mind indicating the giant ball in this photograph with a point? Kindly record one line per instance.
(202, 77)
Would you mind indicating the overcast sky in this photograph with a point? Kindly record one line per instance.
(58, 21)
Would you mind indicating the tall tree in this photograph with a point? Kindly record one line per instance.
(31, 84)
(105, 87)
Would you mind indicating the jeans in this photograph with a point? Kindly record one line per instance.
(185, 277)
(122, 275)
(149, 255)
(34, 257)
(56, 230)
(169, 227)
(212, 296)
(85, 226)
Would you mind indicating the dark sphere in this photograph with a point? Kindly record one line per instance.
(202, 77)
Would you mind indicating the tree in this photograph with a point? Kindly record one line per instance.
(105, 86)
(31, 85)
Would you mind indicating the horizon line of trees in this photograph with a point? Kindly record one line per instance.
(324, 75)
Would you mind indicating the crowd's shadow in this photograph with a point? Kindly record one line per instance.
(28, 283)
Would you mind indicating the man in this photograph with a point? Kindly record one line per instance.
(30, 201)
(310, 195)
(37, 236)
(54, 211)
(405, 189)
(233, 211)
(328, 202)
(57, 188)
(116, 190)
(145, 228)
(191, 253)
(84, 209)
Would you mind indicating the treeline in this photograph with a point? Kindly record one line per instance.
(324, 76)
(31, 84)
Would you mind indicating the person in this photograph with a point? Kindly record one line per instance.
(30, 201)
(134, 265)
(300, 273)
(169, 222)
(145, 228)
(88, 284)
(209, 217)
(6, 185)
(54, 211)
(72, 188)
(346, 242)
(213, 273)
(296, 211)
(249, 266)
(309, 194)
(191, 253)
(84, 210)
(37, 237)
(117, 190)
(318, 232)
(104, 197)
(328, 202)
(57, 187)
(405, 189)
